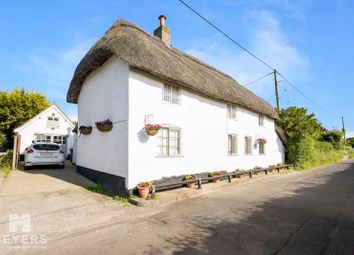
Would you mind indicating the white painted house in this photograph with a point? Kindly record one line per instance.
(50, 125)
(209, 122)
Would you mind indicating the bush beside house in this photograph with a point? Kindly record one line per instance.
(309, 144)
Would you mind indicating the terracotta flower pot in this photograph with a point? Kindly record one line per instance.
(143, 192)
(191, 185)
(151, 132)
(216, 180)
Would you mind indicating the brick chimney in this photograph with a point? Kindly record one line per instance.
(163, 32)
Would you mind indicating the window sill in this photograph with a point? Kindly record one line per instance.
(169, 156)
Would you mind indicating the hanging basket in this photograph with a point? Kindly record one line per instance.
(85, 130)
(261, 141)
(151, 132)
(104, 126)
(151, 129)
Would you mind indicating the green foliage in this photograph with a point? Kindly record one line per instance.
(297, 123)
(335, 137)
(122, 199)
(350, 151)
(2, 142)
(16, 107)
(99, 189)
(300, 151)
(6, 171)
(6, 160)
(350, 141)
(309, 144)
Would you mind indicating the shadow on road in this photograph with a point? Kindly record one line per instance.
(316, 218)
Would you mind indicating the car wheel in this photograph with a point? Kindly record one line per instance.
(61, 166)
(26, 167)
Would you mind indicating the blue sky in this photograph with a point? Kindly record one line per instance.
(311, 42)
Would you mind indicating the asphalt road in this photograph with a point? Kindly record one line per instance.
(308, 212)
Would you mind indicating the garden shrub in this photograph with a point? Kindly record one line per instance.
(6, 160)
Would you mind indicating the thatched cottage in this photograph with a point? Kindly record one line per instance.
(208, 120)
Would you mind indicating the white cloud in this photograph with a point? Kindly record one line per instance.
(268, 42)
(350, 134)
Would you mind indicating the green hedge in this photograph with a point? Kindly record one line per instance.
(307, 152)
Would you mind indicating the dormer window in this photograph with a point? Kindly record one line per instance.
(52, 122)
(171, 94)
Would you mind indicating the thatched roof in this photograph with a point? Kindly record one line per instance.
(281, 134)
(149, 54)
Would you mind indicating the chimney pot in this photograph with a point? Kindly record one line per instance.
(162, 19)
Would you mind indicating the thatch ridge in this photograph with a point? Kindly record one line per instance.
(149, 54)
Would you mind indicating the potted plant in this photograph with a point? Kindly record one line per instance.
(271, 168)
(105, 125)
(238, 173)
(261, 141)
(215, 174)
(190, 181)
(256, 170)
(144, 188)
(85, 130)
(152, 129)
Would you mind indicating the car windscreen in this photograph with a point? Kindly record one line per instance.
(46, 147)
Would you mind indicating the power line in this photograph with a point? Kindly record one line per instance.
(253, 55)
(223, 33)
(256, 80)
(304, 95)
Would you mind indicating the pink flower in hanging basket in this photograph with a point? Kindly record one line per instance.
(152, 129)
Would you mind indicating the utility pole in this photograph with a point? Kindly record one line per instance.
(276, 90)
(343, 129)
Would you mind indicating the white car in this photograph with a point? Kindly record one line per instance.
(44, 154)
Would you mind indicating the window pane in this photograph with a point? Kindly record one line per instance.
(167, 93)
(175, 95)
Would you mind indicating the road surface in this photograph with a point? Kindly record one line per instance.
(308, 212)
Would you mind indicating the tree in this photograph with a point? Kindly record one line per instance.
(16, 107)
(335, 137)
(297, 123)
(350, 141)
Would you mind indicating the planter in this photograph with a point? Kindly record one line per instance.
(238, 175)
(85, 130)
(104, 127)
(191, 185)
(151, 132)
(143, 192)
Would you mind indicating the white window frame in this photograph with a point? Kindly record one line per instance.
(248, 145)
(261, 120)
(232, 144)
(231, 111)
(171, 94)
(171, 150)
(259, 149)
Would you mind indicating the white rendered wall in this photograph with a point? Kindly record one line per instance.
(204, 129)
(104, 95)
(39, 126)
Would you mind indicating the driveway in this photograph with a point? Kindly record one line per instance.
(58, 204)
(308, 212)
